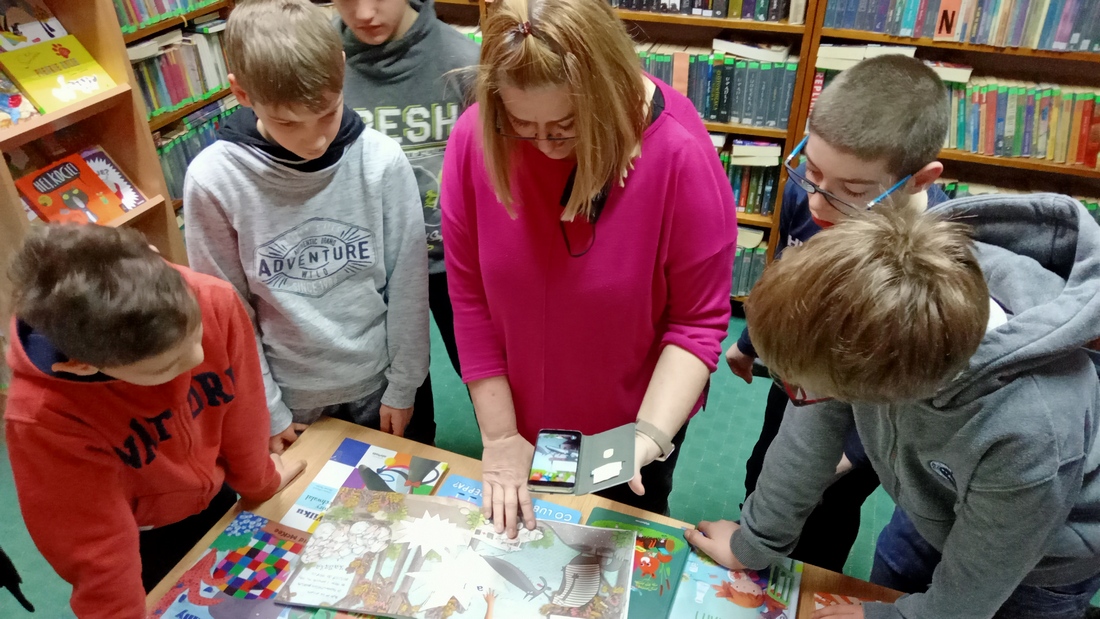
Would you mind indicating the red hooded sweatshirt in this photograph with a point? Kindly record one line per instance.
(95, 459)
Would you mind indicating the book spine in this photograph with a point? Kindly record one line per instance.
(1052, 124)
(1018, 22)
(1065, 121)
(850, 12)
(764, 94)
(961, 99)
(1092, 139)
(918, 26)
(985, 25)
(863, 13)
(930, 20)
(910, 18)
(1082, 137)
(761, 13)
(740, 86)
(999, 130)
(1021, 122)
(1065, 26)
(790, 76)
(1075, 128)
(753, 204)
(748, 8)
(1029, 122)
(721, 8)
(752, 94)
(1050, 24)
(746, 174)
(1009, 132)
(976, 120)
(830, 13)
(728, 70)
(881, 9)
(985, 146)
(1042, 125)
(715, 109)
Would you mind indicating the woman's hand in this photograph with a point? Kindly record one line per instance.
(505, 466)
(645, 451)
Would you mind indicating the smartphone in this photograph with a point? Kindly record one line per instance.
(554, 466)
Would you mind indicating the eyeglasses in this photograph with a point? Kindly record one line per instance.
(508, 133)
(841, 205)
(798, 395)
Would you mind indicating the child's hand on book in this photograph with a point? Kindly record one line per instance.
(287, 473)
(713, 539)
(286, 438)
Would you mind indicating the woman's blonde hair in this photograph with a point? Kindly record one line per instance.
(583, 46)
(886, 307)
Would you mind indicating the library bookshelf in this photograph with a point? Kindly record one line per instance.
(114, 119)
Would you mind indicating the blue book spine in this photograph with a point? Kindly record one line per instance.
(1050, 24)
(960, 124)
(970, 35)
(1017, 24)
(850, 12)
(830, 13)
(975, 121)
(909, 18)
(1029, 123)
(930, 19)
(987, 19)
(881, 10)
(863, 15)
(1002, 107)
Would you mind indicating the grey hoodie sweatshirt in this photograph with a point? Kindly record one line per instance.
(409, 89)
(330, 264)
(1000, 471)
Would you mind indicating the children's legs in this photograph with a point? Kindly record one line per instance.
(421, 427)
(162, 548)
(1063, 602)
(903, 559)
(657, 479)
(832, 528)
(773, 417)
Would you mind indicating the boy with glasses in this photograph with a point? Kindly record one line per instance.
(874, 135)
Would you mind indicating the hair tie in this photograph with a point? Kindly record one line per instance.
(525, 28)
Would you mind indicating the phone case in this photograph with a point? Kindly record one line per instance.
(600, 450)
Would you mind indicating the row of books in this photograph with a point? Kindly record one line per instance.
(753, 171)
(1009, 118)
(748, 262)
(178, 146)
(791, 11)
(181, 67)
(1033, 24)
(955, 188)
(136, 14)
(725, 87)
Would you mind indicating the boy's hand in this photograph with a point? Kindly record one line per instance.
(395, 420)
(286, 438)
(287, 474)
(740, 363)
(713, 538)
(840, 611)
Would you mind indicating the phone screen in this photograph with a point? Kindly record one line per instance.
(554, 467)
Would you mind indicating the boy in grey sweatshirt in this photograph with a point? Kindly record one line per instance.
(316, 221)
(961, 364)
(405, 78)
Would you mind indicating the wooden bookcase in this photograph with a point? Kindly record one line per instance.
(115, 120)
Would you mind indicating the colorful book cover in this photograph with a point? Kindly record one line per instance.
(660, 554)
(1092, 140)
(238, 577)
(1082, 136)
(1029, 122)
(27, 22)
(69, 191)
(102, 164)
(709, 590)
(359, 465)
(469, 490)
(1075, 126)
(55, 73)
(407, 555)
(15, 107)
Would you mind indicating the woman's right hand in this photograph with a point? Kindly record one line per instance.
(505, 466)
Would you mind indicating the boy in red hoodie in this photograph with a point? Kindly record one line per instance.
(136, 403)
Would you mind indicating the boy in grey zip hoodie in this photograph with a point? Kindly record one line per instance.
(405, 80)
(970, 390)
(316, 221)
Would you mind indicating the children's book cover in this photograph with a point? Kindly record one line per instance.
(356, 464)
(821, 600)
(26, 22)
(238, 576)
(660, 553)
(55, 73)
(409, 555)
(15, 107)
(69, 191)
(709, 590)
(469, 490)
(104, 167)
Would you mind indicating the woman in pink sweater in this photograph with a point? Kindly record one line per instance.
(590, 235)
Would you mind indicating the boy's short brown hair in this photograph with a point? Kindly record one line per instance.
(881, 308)
(101, 295)
(284, 53)
(892, 108)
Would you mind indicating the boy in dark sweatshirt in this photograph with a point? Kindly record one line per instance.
(405, 79)
(953, 343)
(135, 397)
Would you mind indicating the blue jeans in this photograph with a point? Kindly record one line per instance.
(905, 561)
